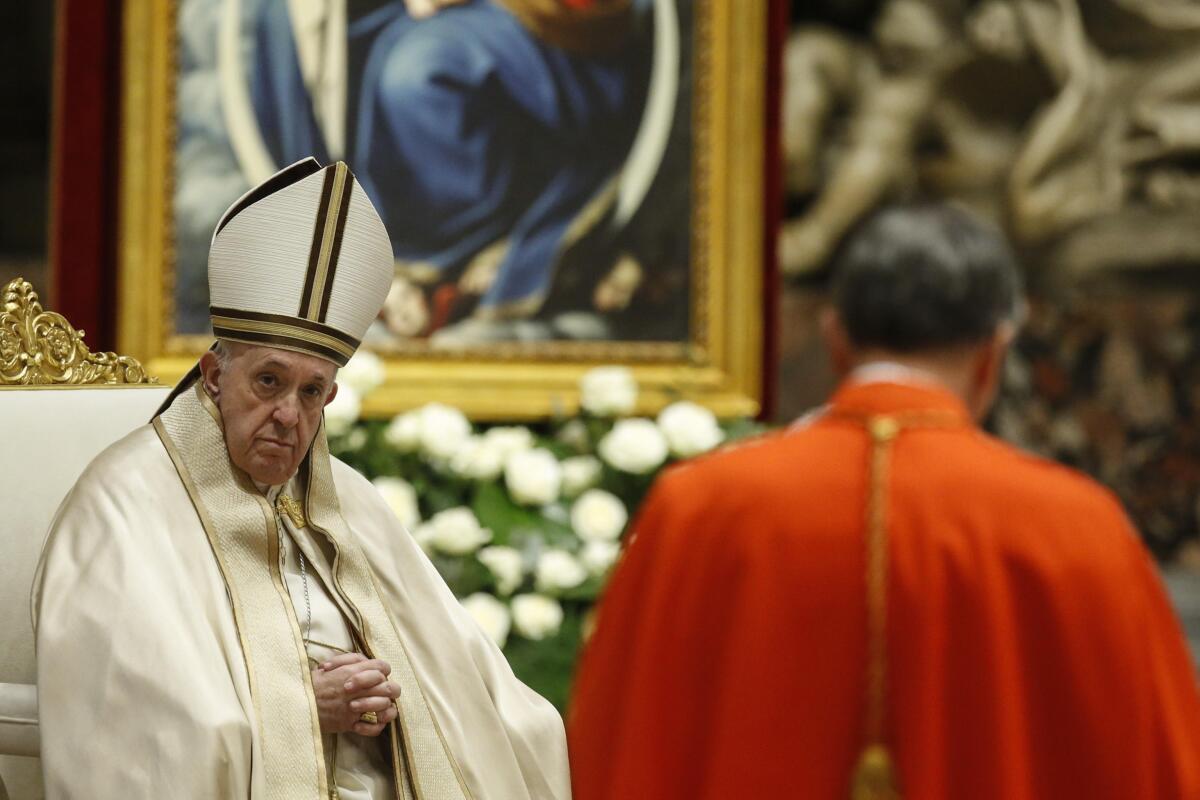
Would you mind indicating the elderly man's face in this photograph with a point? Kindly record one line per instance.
(270, 402)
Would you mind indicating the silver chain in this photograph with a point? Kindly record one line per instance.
(307, 602)
(303, 575)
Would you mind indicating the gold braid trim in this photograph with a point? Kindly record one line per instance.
(875, 776)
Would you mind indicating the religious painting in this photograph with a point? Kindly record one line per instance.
(566, 183)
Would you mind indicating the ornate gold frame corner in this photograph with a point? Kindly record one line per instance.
(39, 348)
(720, 365)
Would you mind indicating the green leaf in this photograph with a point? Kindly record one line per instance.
(463, 574)
(587, 591)
(509, 521)
(560, 450)
(439, 497)
(546, 666)
(743, 428)
(630, 488)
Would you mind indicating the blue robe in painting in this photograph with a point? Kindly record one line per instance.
(466, 129)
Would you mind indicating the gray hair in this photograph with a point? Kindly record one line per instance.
(223, 350)
(927, 276)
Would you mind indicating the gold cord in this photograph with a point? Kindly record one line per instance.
(875, 775)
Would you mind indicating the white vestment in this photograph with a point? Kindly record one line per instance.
(144, 688)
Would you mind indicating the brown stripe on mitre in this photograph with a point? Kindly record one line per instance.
(283, 319)
(283, 343)
(289, 333)
(314, 253)
(336, 247)
(334, 220)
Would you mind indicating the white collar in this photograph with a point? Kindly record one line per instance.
(271, 492)
(892, 372)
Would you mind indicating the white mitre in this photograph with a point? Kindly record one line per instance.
(301, 262)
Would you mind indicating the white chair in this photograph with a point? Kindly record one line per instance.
(48, 433)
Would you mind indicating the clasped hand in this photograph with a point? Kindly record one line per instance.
(348, 686)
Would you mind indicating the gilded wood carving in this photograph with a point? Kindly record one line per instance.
(40, 348)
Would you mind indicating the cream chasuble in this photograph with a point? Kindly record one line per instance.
(171, 661)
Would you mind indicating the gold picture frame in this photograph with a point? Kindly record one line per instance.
(720, 364)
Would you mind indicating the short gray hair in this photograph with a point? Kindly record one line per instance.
(223, 350)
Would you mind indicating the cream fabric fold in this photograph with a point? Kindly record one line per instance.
(144, 685)
(18, 719)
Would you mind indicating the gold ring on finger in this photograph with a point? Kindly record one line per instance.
(369, 717)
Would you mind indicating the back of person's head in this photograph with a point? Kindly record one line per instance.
(922, 277)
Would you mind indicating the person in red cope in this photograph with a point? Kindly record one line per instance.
(883, 601)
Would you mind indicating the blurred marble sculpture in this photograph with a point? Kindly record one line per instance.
(1072, 124)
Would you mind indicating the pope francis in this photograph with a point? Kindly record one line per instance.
(223, 610)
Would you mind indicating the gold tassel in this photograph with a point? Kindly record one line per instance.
(874, 776)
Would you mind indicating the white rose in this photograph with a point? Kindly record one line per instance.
(690, 429)
(443, 430)
(558, 570)
(507, 440)
(362, 373)
(634, 445)
(608, 391)
(401, 498)
(341, 414)
(598, 516)
(491, 615)
(478, 460)
(599, 556)
(404, 432)
(456, 532)
(536, 616)
(533, 477)
(423, 536)
(482, 458)
(506, 566)
(580, 473)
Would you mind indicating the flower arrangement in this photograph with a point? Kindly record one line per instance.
(523, 523)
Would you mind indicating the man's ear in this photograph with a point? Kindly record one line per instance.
(210, 374)
(332, 394)
(837, 342)
(989, 363)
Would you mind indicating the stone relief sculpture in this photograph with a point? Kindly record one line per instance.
(1074, 125)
